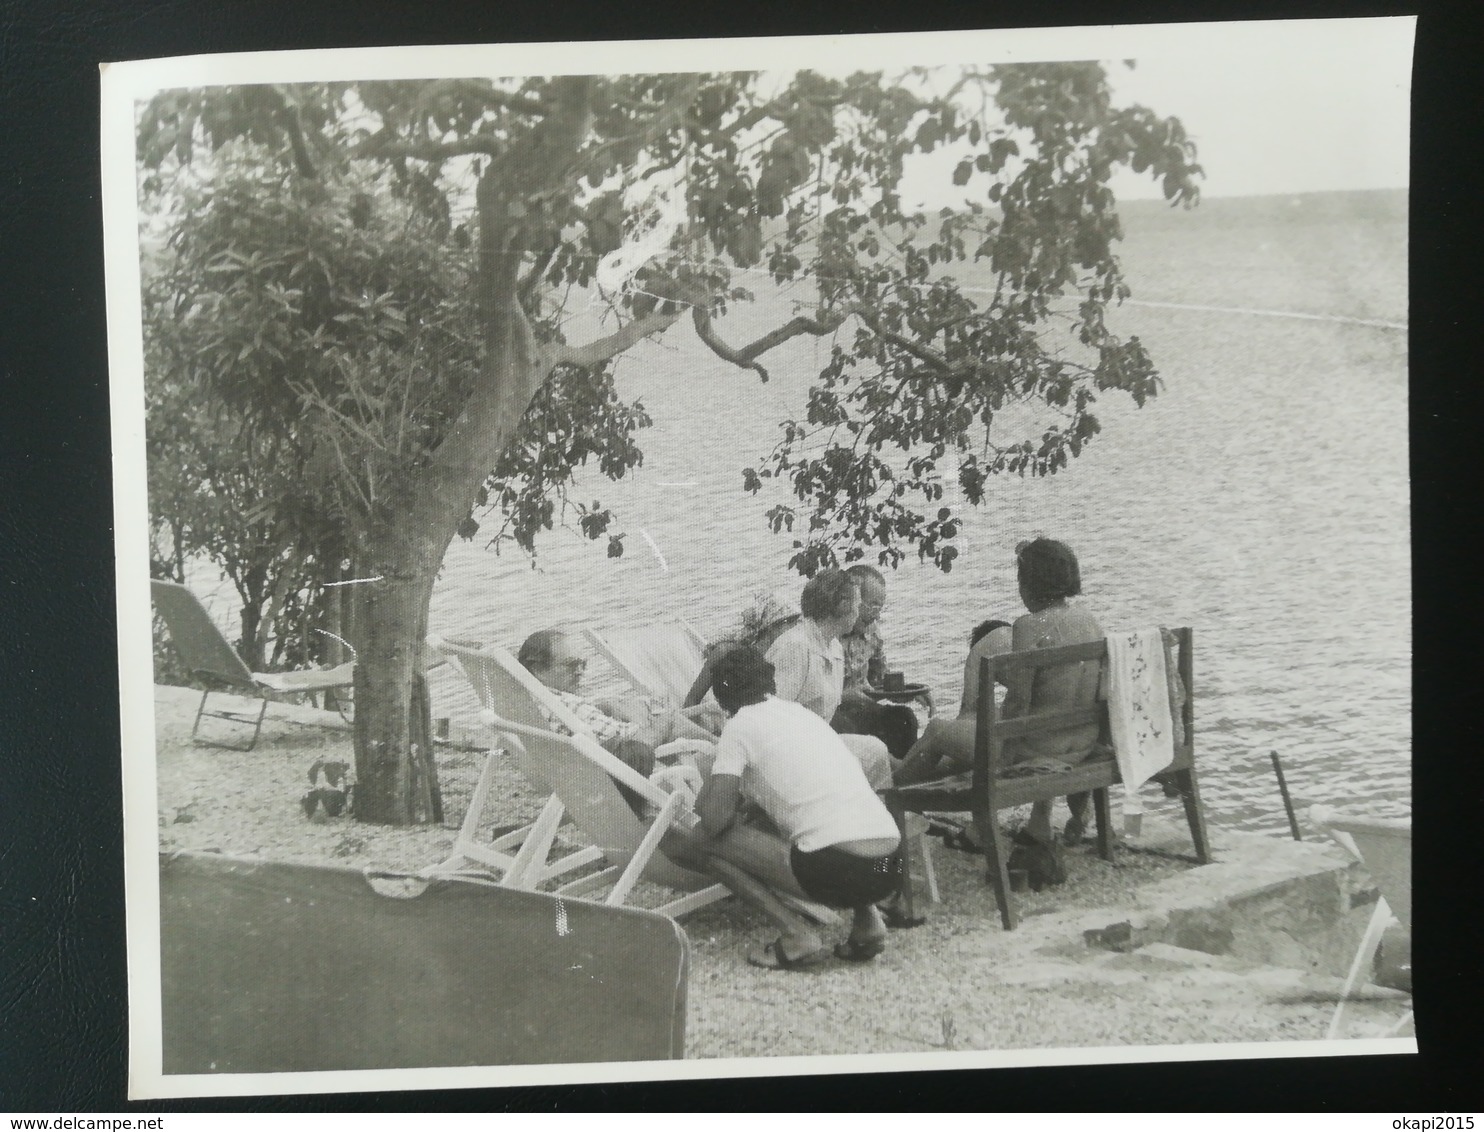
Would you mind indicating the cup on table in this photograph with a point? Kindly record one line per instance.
(893, 682)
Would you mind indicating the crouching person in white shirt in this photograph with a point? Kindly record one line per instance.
(835, 842)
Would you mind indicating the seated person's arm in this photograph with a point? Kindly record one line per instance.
(707, 718)
(718, 803)
(642, 712)
(790, 660)
(993, 643)
(702, 683)
(605, 725)
(1020, 683)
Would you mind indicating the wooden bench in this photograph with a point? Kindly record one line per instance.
(983, 792)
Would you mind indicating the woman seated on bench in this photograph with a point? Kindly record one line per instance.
(1048, 575)
(835, 842)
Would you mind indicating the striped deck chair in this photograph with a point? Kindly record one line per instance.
(662, 660)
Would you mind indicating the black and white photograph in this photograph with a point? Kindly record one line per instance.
(725, 558)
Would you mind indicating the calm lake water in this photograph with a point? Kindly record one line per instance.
(1262, 498)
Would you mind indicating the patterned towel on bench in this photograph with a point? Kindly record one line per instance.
(1139, 716)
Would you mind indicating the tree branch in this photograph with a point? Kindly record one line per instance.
(509, 100)
(538, 269)
(294, 127)
(602, 349)
(380, 145)
(671, 114)
(930, 358)
(746, 355)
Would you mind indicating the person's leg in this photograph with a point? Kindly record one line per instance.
(1076, 827)
(843, 879)
(949, 741)
(755, 866)
(1039, 825)
(637, 756)
(894, 724)
(867, 930)
(1037, 850)
(874, 759)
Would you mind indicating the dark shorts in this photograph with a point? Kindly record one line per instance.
(894, 724)
(843, 880)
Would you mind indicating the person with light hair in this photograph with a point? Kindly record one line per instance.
(809, 662)
(865, 666)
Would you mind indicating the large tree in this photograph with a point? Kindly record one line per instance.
(659, 196)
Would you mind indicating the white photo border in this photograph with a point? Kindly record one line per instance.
(125, 84)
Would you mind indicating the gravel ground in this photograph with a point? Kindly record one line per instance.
(956, 983)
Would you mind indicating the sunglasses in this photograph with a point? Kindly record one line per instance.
(576, 667)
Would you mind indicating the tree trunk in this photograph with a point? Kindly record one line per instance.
(396, 780)
(404, 547)
(252, 637)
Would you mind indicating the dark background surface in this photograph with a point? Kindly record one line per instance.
(62, 974)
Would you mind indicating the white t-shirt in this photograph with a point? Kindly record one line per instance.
(802, 775)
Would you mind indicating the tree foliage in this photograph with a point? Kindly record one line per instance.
(396, 281)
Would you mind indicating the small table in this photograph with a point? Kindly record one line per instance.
(907, 694)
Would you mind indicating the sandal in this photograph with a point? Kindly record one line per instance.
(858, 951)
(894, 917)
(772, 958)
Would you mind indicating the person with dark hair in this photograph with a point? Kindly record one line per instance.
(810, 661)
(836, 843)
(770, 616)
(865, 664)
(989, 638)
(1048, 576)
(984, 629)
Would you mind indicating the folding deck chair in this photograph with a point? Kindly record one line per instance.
(1385, 849)
(662, 660)
(216, 664)
(583, 779)
(474, 857)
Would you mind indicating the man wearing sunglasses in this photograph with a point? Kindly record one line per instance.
(557, 660)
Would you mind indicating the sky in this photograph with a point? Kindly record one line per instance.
(1309, 114)
(1274, 107)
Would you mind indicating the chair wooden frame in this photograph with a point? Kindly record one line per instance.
(215, 663)
(983, 792)
(621, 648)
